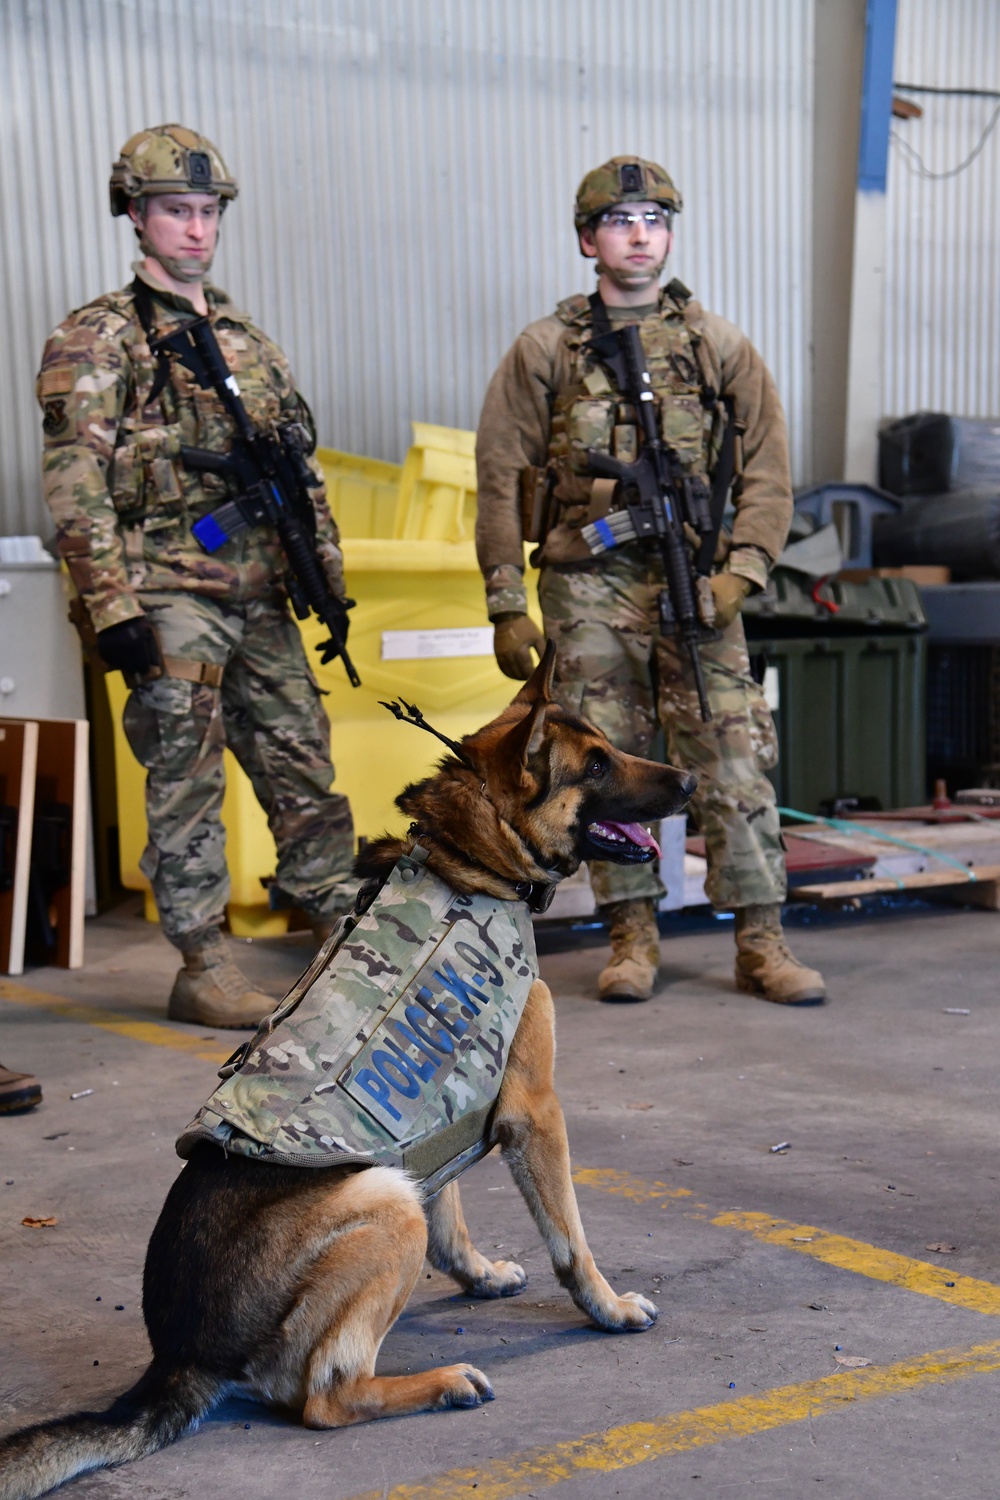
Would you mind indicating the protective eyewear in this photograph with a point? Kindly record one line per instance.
(620, 221)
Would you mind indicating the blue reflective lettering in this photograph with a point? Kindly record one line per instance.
(377, 1087)
(458, 987)
(441, 1042)
(455, 1025)
(423, 1070)
(388, 1065)
(481, 962)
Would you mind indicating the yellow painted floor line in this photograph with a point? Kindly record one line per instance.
(637, 1189)
(869, 1260)
(152, 1032)
(834, 1249)
(679, 1432)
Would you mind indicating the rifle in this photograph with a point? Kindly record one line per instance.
(660, 499)
(272, 482)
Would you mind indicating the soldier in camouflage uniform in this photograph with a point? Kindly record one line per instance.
(549, 401)
(206, 642)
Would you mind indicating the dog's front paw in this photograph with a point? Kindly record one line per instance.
(463, 1385)
(629, 1313)
(499, 1278)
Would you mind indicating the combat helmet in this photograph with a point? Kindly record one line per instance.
(168, 159)
(624, 179)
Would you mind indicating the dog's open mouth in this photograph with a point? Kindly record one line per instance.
(626, 842)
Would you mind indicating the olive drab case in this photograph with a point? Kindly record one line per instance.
(391, 1048)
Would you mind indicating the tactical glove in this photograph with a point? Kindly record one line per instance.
(514, 637)
(131, 646)
(729, 592)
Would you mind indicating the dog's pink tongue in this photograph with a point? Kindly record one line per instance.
(638, 835)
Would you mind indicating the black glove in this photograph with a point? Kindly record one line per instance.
(327, 650)
(131, 646)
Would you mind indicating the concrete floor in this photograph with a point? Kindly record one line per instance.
(890, 1105)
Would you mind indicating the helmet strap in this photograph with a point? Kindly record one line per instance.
(626, 282)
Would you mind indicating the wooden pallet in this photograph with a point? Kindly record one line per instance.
(918, 849)
(18, 760)
(45, 765)
(981, 886)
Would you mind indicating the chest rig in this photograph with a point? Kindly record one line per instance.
(589, 413)
(392, 1047)
(167, 409)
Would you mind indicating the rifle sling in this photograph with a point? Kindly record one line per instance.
(722, 480)
(144, 312)
(599, 320)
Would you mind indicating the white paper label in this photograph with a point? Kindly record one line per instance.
(772, 688)
(419, 645)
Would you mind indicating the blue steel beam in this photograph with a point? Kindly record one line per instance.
(876, 95)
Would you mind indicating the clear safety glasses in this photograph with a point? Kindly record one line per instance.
(620, 221)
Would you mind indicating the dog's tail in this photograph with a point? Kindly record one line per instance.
(161, 1407)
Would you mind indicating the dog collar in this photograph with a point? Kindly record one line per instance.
(537, 893)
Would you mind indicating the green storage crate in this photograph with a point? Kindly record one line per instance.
(843, 606)
(849, 712)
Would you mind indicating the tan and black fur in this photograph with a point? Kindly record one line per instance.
(281, 1282)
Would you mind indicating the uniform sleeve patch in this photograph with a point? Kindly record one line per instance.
(57, 421)
(57, 380)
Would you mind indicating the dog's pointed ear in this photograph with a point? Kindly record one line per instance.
(524, 740)
(538, 687)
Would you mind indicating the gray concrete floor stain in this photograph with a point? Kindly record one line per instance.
(889, 1103)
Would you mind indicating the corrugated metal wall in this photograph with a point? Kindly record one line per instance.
(406, 172)
(943, 256)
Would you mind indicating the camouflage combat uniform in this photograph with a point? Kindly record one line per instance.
(392, 1047)
(236, 672)
(547, 403)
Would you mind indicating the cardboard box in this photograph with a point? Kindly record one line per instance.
(922, 574)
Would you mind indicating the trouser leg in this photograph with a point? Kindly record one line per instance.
(734, 805)
(735, 809)
(176, 732)
(599, 619)
(277, 727)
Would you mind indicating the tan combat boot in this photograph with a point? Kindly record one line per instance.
(635, 951)
(765, 967)
(211, 991)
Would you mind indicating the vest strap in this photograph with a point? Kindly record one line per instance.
(208, 672)
(144, 312)
(599, 320)
(722, 480)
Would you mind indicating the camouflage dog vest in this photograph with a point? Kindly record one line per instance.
(391, 1048)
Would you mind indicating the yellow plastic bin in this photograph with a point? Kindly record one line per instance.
(419, 631)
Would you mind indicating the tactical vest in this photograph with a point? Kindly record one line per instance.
(589, 412)
(391, 1048)
(146, 478)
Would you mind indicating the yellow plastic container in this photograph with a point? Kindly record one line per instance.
(411, 565)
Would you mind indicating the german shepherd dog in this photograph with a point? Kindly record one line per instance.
(281, 1283)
